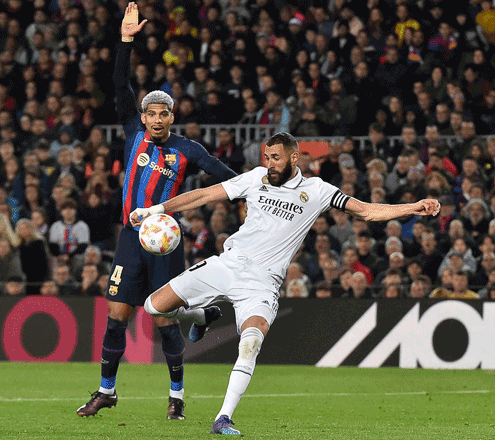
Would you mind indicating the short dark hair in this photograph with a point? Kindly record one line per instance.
(417, 261)
(288, 141)
(375, 126)
(365, 233)
(71, 203)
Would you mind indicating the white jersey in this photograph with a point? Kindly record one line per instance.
(278, 218)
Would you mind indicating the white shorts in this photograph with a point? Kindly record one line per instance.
(232, 278)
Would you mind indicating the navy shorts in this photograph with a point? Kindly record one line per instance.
(136, 274)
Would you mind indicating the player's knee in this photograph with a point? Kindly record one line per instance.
(149, 307)
(153, 312)
(250, 344)
(115, 325)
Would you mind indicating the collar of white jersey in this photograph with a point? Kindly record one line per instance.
(295, 181)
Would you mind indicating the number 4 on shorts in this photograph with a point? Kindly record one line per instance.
(117, 275)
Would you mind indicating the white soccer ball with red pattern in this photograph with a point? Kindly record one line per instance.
(159, 234)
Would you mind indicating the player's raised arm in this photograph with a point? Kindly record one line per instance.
(183, 202)
(126, 100)
(381, 212)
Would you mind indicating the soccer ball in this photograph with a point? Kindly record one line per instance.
(159, 234)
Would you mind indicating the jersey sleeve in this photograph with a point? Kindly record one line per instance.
(237, 187)
(332, 197)
(211, 165)
(126, 100)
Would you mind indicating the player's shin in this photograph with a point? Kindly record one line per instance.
(249, 347)
(113, 348)
(181, 313)
(173, 349)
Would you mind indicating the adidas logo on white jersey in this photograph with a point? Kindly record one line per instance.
(263, 188)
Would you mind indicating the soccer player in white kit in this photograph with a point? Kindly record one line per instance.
(282, 205)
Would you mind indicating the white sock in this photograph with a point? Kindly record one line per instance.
(182, 314)
(107, 391)
(195, 315)
(177, 394)
(249, 347)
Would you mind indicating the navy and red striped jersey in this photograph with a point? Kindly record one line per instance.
(154, 173)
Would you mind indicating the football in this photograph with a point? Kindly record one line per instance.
(159, 234)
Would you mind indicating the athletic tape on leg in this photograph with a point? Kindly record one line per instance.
(249, 347)
(153, 312)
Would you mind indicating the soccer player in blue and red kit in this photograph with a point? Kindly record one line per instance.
(156, 162)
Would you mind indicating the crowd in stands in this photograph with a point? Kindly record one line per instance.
(420, 70)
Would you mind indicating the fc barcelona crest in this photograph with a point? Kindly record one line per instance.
(170, 159)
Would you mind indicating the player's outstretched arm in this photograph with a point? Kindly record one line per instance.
(189, 200)
(126, 101)
(381, 212)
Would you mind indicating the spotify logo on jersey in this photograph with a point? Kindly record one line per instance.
(143, 160)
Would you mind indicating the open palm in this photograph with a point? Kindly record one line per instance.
(130, 25)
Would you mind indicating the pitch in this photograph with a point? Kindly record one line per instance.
(39, 401)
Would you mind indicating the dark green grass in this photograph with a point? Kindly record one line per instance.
(282, 402)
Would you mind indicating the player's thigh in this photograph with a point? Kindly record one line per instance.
(127, 282)
(255, 307)
(204, 283)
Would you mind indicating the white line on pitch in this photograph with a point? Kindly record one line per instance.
(410, 393)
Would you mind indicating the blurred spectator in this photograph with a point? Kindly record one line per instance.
(476, 218)
(89, 281)
(308, 118)
(459, 288)
(295, 272)
(342, 229)
(390, 75)
(49, 288)
(481, 276)
(430, 254)
(32, 248)
(228, 152)
(296, 289)
(350, 259)
(341, 107)
(275, 112)
(359, 286)
(67, 285)
(15, 286)
(68, 236)
(7, 232)
(323, 289)
(10, 263)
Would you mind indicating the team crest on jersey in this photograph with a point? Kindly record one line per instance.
(304, 197)
(171, 159)
(143, 160)
(265, 180)
(113, 290)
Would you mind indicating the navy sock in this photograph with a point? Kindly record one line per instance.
(113, 349)
(173, 349)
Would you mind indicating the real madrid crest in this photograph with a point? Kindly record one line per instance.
(265, 179)
(304, 197)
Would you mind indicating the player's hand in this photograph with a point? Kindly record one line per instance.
(130, 26)
(426, 207)
(138, 215)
